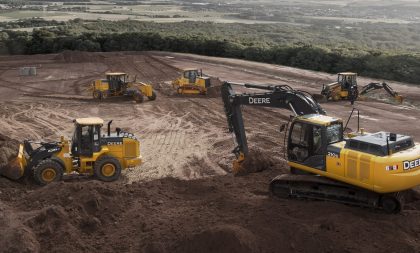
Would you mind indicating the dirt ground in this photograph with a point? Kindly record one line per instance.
(183, 198)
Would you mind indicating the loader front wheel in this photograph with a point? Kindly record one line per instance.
(47, 171)
(153, 96)
(97, 95)
(138, 97)
(107, 169)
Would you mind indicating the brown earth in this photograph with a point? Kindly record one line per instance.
(183, 198)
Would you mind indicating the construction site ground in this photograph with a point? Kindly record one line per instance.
(184, 198)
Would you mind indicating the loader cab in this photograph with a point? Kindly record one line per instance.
(309, 138)
(347, 80)
(117, 81)
(86, 137)
(191, 75)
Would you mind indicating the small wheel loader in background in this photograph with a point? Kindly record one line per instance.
(117, 85)
(192, 81)
(346, 88)
(90, 152)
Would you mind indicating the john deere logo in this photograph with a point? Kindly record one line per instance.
(409, 165)
(259, 100)
(114, 143)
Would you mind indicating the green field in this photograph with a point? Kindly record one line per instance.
(376, 38)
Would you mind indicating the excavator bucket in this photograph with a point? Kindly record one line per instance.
(16, 167)
(399, 98)
(237, 164)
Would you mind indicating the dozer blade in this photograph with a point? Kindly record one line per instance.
(16, 167)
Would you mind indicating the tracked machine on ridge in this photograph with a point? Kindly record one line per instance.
(365, 169)
(192, 81)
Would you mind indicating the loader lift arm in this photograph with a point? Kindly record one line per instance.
(276, 96)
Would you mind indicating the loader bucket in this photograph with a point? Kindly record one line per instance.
(320, 98)
(16, 167)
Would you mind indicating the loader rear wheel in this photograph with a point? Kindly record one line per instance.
(47, 171)
(153, 96)
(107, 169)
(138, 97)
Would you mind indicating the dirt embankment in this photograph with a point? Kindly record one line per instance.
(216, 214)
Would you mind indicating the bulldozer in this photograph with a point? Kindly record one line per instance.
(117, 84)
(90, 152)
(359, 168)
(192, 81)
(346, 88)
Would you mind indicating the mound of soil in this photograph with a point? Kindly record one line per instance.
(214, 214)
(9, 149)
(255, 161)
(215, 89)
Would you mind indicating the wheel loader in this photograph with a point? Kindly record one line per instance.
(191, 81)
(365, 169)
(117, 84)
(346, 88)
(90, 152)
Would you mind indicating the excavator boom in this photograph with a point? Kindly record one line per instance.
(376, 86)
(276, 96)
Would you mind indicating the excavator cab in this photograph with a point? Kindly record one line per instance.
(309, 138)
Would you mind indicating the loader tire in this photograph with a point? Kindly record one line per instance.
(138, 97)
(47, 171)
(153, 96)
(107, 169)
(97, 95)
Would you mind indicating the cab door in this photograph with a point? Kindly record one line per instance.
(306, 145)
(86, 140)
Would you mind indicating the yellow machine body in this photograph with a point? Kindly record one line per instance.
(118, 84)
(191, 82)
(340, 90)
(127, 153)
(80, 155)
(382, 174)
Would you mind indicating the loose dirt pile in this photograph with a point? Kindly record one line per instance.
(8, 150)
(255, 161)
(216, 214)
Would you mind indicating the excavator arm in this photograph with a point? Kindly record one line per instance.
(275, 96)
(376, 86)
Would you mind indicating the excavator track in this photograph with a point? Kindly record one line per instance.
(321, 188)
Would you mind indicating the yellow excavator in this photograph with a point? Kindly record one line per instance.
(90, 152)
(365, 169)
(191, 81)
(346, 88)
(117, 84)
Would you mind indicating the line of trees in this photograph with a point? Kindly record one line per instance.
(375, 64)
